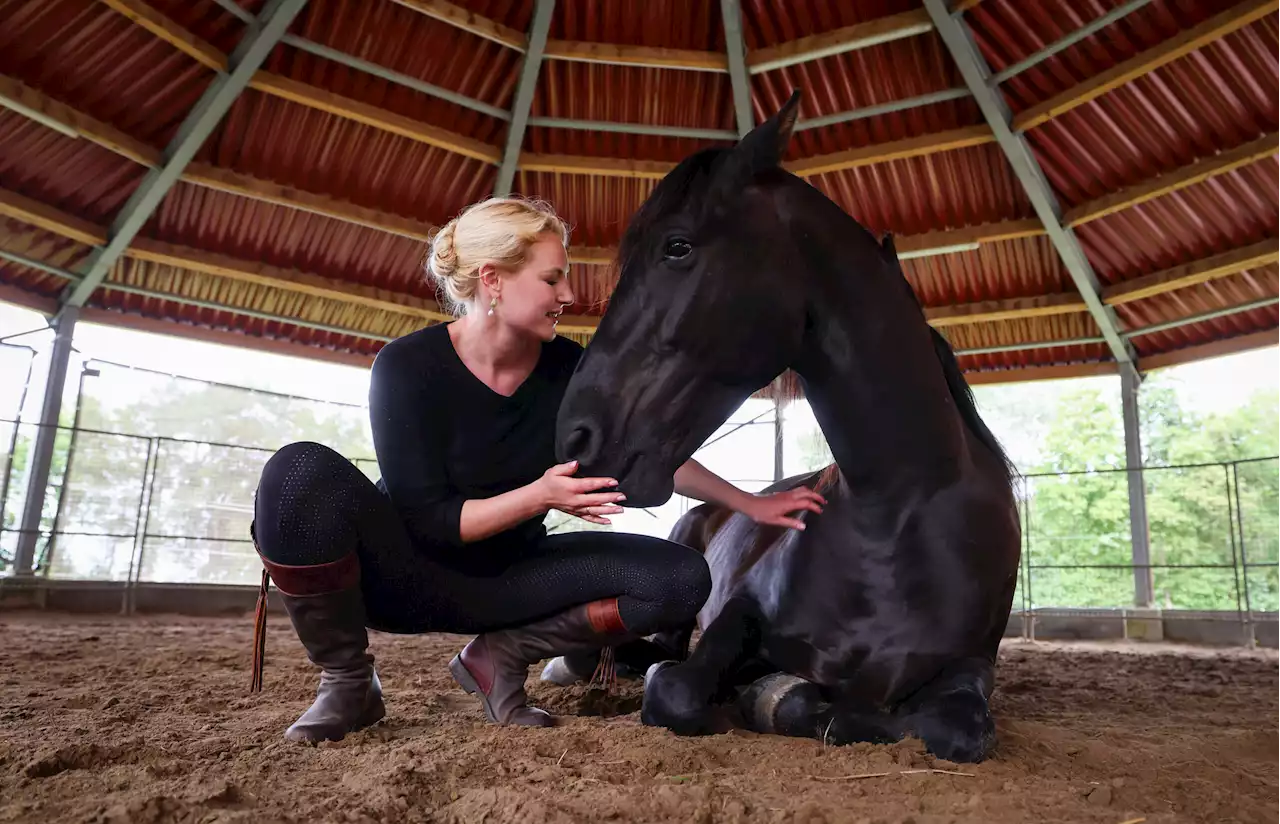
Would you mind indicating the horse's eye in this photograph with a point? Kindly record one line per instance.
(677, 248)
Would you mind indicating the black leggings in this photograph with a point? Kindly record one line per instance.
(313, 506)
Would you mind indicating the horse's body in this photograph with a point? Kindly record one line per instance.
(883, 617)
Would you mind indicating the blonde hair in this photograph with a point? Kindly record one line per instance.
(498, 230)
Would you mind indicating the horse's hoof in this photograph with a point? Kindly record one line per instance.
(960, 729)
(675, 700)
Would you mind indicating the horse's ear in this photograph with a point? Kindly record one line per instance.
(768, 142)
(760, 149)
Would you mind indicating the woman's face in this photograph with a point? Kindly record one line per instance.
(532, 297)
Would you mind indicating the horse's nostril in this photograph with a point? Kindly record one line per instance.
(583, 443)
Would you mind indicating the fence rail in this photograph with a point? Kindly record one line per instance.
(157, 509)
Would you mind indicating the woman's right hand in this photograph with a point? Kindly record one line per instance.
(559, 490)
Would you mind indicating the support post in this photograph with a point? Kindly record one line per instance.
(525, 89)
(777, 430)
(1143, 584)
(736, 51)
(46, 436)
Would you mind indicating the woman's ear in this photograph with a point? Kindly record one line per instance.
(489, 276)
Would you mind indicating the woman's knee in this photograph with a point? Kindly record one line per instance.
(683, 575)
(298, 465)
(303, 498)
(691, 579)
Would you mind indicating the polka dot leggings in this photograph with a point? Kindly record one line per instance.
(313, 506)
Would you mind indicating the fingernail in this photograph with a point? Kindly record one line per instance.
(612, 482)
(622, 497)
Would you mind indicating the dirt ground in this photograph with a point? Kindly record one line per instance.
(148, 720)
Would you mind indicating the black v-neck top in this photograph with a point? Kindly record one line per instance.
(442, 436)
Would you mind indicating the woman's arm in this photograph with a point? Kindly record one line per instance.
(556, 489)
(483, 517)
(693, 480)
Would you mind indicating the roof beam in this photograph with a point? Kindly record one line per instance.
(75, 123)
(1040, 373)
(736, 59)
(167, 30)
(468, 21)
(296, 91)
(52, 220)
(525, 89)
(1216, 349)
(1216, 27)
(988, 311)
(973, 67)
(1164, 184)
(892, 150)
(969, 235)
(1191, 274)
(609, 54)
(253, 48)
(839, 41)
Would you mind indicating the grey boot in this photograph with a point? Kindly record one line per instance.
(331, 628)
(495, 665)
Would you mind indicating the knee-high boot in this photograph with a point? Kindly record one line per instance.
(495, 665)
(326, 607)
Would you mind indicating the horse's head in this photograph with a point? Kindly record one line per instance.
(706, 311)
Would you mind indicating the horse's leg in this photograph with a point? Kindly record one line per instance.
(680, 696)
(951, 715)
(783, 704)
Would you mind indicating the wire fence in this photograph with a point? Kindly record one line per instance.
(135, 509)
(169, 507)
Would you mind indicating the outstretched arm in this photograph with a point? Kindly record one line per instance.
(693, 480)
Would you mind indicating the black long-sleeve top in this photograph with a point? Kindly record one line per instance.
(442, 436)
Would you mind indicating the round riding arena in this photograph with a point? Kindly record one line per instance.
(213, 216)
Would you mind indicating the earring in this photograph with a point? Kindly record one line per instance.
(492, 303)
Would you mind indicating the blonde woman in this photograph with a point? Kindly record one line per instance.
(451, 539)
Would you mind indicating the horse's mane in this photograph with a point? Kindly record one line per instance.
(960, 390)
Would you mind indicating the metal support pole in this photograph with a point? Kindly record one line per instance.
(995, 110)
(254, 47)
(739, 78)
(1143, 585)
(777, 430)
(46, 435)
(525, 90)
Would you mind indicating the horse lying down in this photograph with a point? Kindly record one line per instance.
(883, 617)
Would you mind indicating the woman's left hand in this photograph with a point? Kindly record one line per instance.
(775, 509)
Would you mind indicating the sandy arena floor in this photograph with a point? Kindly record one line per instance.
(147, 720)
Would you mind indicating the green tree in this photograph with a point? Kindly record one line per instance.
(1084, 519)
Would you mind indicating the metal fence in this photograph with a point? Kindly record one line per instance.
(138, 509)
(1213, 537)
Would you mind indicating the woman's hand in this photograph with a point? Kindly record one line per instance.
(559, 490)
(774, 509)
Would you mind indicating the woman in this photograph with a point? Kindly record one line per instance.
(451, 539)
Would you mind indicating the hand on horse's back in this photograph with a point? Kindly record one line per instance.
(776, 509)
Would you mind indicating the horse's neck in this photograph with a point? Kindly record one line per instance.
(874, 381)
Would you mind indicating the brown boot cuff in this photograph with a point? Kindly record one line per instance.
(318, 579)
(605, 617)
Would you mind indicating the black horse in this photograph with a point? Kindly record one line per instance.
(883, 617)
